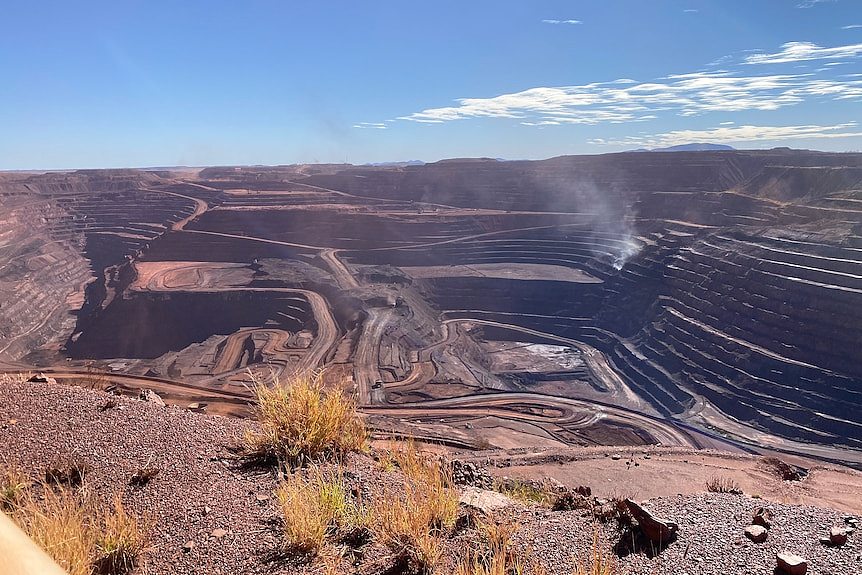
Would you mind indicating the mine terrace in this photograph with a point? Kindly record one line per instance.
(699, 299)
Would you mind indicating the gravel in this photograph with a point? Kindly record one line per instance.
(197, 491)
(209, 516)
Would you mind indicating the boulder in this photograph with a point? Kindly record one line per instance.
(838, 536)
(42, 378)
(151, 396)
(756, 533)
(791, 564)
(483, 500)
(656, 530)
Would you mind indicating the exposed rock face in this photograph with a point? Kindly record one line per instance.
(658, 531)
(791, 564)
(702, 296)
(756, 533)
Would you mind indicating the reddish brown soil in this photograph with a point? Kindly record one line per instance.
(199, 490)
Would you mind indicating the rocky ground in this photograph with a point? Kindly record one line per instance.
(211, 516)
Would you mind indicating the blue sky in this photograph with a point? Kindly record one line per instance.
(158, 83)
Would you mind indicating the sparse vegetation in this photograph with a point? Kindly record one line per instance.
(314, 507)
(598, 561)
(11, 378)
(119, 541)
(412, 519)
(527, 491)
(71, 474)
(723, 485)
(82, 537)
(498, 558)
(302, 423)
(13, 484)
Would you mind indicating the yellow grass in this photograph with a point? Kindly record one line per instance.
(301, 422)
(412, 519)
(119, 540)
(79, 535)
(13, 484)
(598, 561)
(499, 559)
(313, 508)
(526, 492)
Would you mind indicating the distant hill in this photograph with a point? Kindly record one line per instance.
(695, 147)
(395, 164)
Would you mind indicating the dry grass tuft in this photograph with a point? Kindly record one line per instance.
(723, 485)
(13, 484)
(527, 492)
(598, 561)
(412, 519)
(10, 378)
(71, 474)
(82, 537)
(62, 525)
(313, 508)
(303, 423)
(119, 541)
(498, 558)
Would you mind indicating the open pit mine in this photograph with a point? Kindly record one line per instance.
(699, 299)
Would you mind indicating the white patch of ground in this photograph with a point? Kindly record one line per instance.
(532, 357)
(504, 271)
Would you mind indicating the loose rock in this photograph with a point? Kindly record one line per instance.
(466, 473)
(656, 530)
(484, 500)
(791, 564)
(756, 533)
(838, 536)
(151, 396)
(763, 517)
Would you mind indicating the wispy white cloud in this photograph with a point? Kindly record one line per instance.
(627, 101)
(812, 3)
(851, 26)
(561, 22)
(736, 134)
(726, 123)
(691, 10)
(803, 51)
(370, 125)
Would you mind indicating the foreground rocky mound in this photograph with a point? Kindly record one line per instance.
(211, 515)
